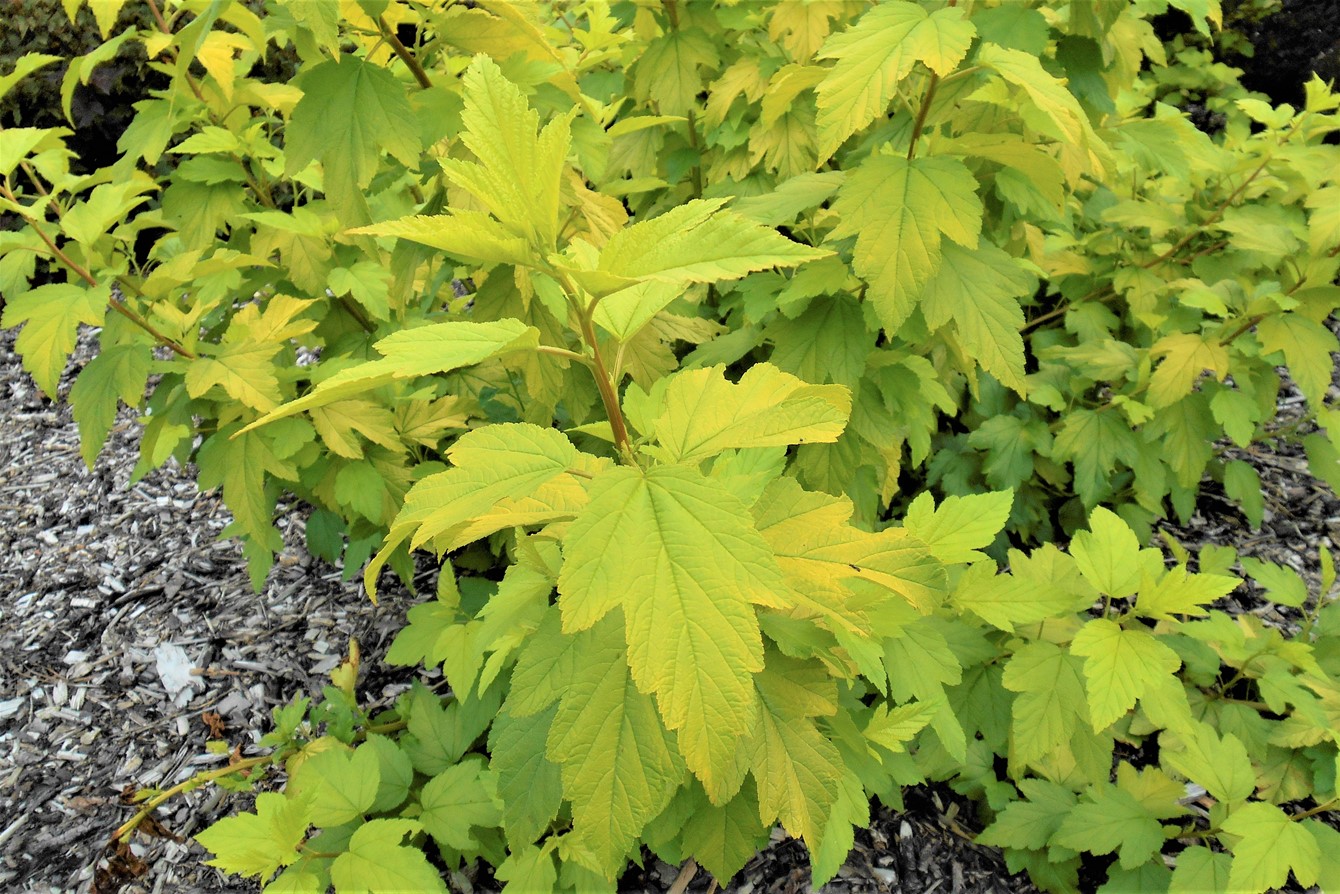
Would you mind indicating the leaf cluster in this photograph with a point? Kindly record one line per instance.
(720, 353)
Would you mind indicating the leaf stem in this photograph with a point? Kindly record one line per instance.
(604, 383)
(124, 831)
(116, 305)
(1313, 811)
(920, 123)
(697, 171)
(403, 52)
(563, 352)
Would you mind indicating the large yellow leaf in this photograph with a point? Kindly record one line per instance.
(704, 413)
(679, 553)
(618, 761)
(898, 210)
(875, 55)
(699, 242)
(819, 551)
(798, 769)
(440, 347)
(500, 462)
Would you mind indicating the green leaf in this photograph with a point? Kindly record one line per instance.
(1243, 484)
(1051, 700)
(118, 372)
(1200, 869)
(1271, 845)
(1110, 819)
(875, 55)
(50, 316)
(340, 784)
(424, 351)
(438, 735)
(240, 464)
(699, 242)
(829, 342)
(619, 764)
(959, 526)
(24, 66)
(1043, 585)
(258, 843)
(458, 799)
(1307, 347)
(1093, 441)
(1030, 823)
(979, 290)
(898, 210)
(1219, 764)
(1282, 585)
(1120, 665)
(723, 838)
(351, 111)
(529, 784)
(1108, 554)
(519, 172)
(396, 773)
(377, 862)
(1180, 593)
(680, 555)
(705, 414)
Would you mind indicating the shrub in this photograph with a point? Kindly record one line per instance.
(722, 353)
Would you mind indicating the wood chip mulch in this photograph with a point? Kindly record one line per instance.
(109, 589)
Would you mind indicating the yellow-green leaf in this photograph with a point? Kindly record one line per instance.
(959, 526)
(819, 551)
(258, 843)
(491, 464)
(1307, 347)
(1185, 357)
(617, 759)
(436, 348)
(898, 210)
(1219, 764)
(699, 242)
(1270, 845)
(1119, 666)
(798, 770)
(1181, 593)
(50, 316)
(704, 413)
(377, 863)
(1108, 554)
(679, 553)
(979, 291)
(245, 371)
(875, 55)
